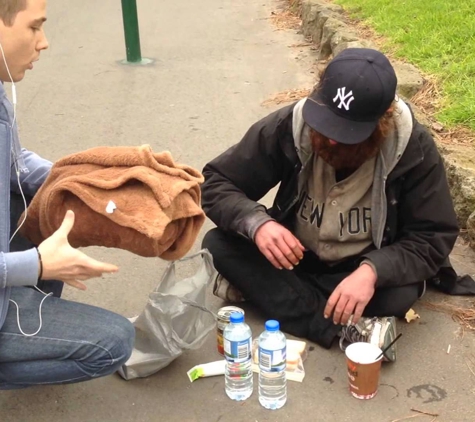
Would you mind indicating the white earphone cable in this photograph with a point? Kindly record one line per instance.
(25, 215)
(11, 80)
(17, 170)
(40, 316)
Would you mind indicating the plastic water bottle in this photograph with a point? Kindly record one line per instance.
(272, 365)
(237, 338)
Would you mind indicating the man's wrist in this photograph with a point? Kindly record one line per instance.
(253, 222)
(40, 265)
(367, 263)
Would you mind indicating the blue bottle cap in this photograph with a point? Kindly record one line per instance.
(236, 317)
(272, 325)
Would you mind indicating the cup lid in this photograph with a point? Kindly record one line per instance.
(363, 353)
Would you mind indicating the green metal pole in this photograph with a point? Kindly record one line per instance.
(131, 31)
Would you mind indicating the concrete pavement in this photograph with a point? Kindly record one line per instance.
(215, 62)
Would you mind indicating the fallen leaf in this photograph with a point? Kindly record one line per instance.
(411, 315)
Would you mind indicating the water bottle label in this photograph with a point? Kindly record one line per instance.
(237, 351)
(272, 360)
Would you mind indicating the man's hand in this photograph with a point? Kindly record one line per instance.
(279, 245)
(62, 262)
(351, 296)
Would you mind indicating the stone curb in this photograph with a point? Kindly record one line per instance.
(325, 24)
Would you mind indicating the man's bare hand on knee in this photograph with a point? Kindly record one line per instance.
(279, 245)
(351, 296)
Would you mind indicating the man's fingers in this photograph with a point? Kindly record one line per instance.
(288, 253)
(281, 257)
(300, 246)
(91, 266)
(270, 257)
(87, 273)
(76, 284)
(297, 252)
(67, 224)
(331, 302)
(358, 312)
(294, 245)
(347, 312)
(339, 308)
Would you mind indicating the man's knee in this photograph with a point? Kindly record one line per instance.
(213, 240)
(121, 338)
(394, 301)
(113, 348)
(227, 247)
(221, 245)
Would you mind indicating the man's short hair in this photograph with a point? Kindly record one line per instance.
(9, 9)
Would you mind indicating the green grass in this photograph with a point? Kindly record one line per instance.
(438, 36)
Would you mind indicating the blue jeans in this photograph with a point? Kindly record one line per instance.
(76, 343)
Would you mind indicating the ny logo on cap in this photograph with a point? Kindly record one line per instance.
(345, 101)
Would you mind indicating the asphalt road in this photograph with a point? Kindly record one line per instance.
(215, 63)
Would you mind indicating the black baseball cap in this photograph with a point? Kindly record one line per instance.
(356, 89)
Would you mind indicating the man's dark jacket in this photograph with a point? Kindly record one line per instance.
(421, 226)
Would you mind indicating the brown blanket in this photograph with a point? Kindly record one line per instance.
(158, 202)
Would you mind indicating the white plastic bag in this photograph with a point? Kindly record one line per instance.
(175, 319)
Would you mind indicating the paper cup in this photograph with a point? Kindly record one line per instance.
(363, 369)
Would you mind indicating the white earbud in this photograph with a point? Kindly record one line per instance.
(13, 94)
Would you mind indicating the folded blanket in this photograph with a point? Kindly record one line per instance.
(157, 202)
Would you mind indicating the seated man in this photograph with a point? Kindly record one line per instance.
(43, 339)
(362, 217)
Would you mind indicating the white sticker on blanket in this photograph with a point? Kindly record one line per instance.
(111, 207)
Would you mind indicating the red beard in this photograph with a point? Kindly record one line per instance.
(347, 157)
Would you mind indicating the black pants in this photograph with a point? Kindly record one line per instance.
(297, 298)
(19, 243)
